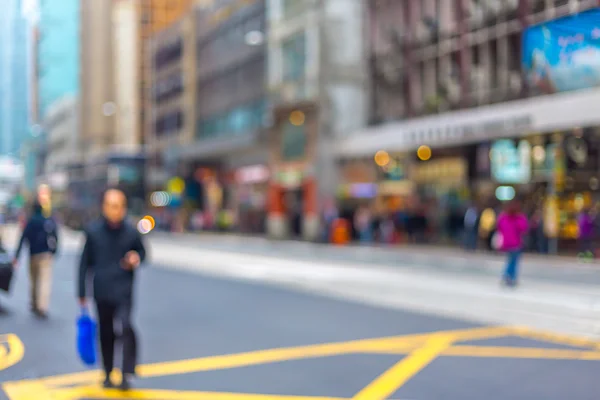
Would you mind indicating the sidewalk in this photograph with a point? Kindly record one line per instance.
(570, 308)
(418, 254)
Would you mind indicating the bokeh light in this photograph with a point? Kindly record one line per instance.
(382, 158)
(297, 118)
(151, 220)
(144, 226)
(424, 152)
(160, 199)
(539, 154)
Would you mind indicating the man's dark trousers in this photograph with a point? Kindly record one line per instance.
(107, 315)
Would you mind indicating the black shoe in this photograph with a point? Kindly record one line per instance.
(41, 314)
(125, 384)
(108, 384)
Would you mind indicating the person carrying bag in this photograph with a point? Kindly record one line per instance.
(86, 338)
(6, 274)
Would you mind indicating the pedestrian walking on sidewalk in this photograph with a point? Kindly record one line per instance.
(587, 225)
(512, 227)
(112, 253)
(41, 235)
(471, 228)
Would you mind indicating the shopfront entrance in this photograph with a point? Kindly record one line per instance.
(249, 197)
(293, 201)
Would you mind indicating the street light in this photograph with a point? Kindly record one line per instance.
(254, 38)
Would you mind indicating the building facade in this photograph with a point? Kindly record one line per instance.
(481, 101)
(127, 76)
(221, 135)
(14, 78)
(155, 16)
(317, 79)
(61, 127)
(97, 89)
(170, 121)
(57, 52)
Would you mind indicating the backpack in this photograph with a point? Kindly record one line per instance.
(50, 233)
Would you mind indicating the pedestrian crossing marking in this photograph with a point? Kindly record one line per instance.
(11, 351)
(419, 350)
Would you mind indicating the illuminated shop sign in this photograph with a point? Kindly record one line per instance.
(493, 127)
(511, 163)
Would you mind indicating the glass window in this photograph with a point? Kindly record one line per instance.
(292, 8)
(294, 57)
(293, 142)
(221, 125)
(205, 128)
(241, 120)
(258, 113)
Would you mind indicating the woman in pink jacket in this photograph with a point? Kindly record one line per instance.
(512, 227)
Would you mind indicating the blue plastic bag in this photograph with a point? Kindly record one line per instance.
(86, 338)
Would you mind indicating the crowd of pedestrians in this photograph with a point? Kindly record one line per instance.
(505, 228)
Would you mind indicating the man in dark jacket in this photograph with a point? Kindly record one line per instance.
(41, 235)
(113, 251)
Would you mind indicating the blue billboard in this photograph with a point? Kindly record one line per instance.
(564, 54)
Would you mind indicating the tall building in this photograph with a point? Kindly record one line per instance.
(155, 15)
(127, 75)
(14, 79)
(97, 114)
(57, 52)
(210, 102)
(171, 117)
(317, 79)
(114, 93)
(56, 83)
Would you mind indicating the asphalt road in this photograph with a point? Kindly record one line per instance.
(186, 316)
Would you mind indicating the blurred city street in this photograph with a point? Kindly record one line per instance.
(339, 199)
(240, 319)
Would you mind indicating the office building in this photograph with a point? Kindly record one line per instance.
(57, 52)
(155, 16)
(171, 121)
(61, 129)
(217, 65)
(317, 79)
(14, 78)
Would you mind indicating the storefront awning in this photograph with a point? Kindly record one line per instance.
(543, 114)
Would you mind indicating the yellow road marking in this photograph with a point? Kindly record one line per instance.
(557, 338)
(540, 353)
(421, 349)
(281, 354)
(521, 352)
(12, 350)
(391, 380)
(96, 393)
(29, 390)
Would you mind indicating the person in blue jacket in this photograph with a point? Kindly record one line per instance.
(41, 236)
